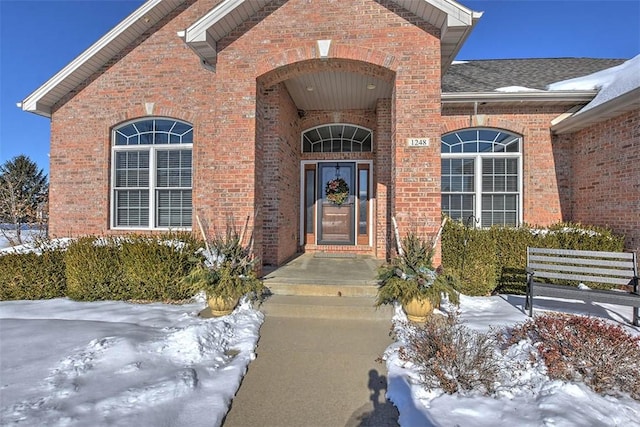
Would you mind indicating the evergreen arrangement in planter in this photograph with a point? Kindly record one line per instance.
(226, 271)
(411, 276)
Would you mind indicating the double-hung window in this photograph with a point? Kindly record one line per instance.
(482, 176)
(152, 174)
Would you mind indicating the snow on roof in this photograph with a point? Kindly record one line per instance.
(611, 82)
(517, 89)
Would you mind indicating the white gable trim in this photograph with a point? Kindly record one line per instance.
(42, 100)
(454, 21)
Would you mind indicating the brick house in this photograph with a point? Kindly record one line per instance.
(256, 108)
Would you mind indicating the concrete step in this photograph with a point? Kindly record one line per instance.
(324, 307)
(322, 289)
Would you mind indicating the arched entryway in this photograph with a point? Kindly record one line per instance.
(316, 122)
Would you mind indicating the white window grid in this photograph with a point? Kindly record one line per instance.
(337, 138)
(152, 189)
(479, 193)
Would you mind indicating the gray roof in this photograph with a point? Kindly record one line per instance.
(489, 75)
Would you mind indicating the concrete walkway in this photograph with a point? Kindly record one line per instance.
(316, 372)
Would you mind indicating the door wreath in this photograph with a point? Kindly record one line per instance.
(337, 191)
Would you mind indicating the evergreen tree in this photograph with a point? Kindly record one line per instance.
(24, 193)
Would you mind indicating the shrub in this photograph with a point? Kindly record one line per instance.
(577, 348)
(450, 356)
(154, 266)
(470, 255)
(94, 271)
(30, 276)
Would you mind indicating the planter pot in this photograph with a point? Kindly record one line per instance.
(222, 306)
(417, 310)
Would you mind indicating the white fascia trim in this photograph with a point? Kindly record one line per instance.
(555, 96)
(195, 31)
(30, 103)
(619, 105)
(457, 13)
(197, 35)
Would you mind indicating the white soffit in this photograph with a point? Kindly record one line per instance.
(91, 60)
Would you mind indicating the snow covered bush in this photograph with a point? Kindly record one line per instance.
(577, 348)
(450, 356)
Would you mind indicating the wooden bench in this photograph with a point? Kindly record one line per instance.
(612, 268)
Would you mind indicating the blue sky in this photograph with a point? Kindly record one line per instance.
(38, 38)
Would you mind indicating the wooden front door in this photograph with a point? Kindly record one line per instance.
(336, 215)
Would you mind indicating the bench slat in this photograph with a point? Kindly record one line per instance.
(579, 253)
(582, 261)
(582, 278)
(597, 272)
(616, 268)
(591, 295)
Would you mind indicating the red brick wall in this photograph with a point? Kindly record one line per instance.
(606, 176)
(153, 70)
(546, 171)
(279, 186)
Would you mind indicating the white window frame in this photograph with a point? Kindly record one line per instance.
(152, 188)
(342, 139)
(478, 157)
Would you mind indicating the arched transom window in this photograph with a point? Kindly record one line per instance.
(337, 138)
(152, 174)
(482, 176)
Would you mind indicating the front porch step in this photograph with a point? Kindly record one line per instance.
(322, 289)
(323, 307)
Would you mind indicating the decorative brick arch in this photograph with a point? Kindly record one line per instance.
(140, 112)
(305, 59)
(482, 121)
(352, 117)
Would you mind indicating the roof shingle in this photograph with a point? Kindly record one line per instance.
(489, 75)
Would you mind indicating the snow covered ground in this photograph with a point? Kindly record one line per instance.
(526, 396)
(67, 363)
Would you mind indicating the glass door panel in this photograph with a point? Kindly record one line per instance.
(310, 204)
(363, 204)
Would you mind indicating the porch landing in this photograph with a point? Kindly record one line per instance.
(321, 274)
(325, 286)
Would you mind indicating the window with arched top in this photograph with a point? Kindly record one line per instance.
(337, 138)
(152, 174)
(482, 176)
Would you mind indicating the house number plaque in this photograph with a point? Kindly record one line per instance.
(418, 142)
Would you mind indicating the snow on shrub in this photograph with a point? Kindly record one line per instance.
(450, 356)
(577, 348)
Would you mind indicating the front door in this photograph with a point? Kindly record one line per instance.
(336, 203)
